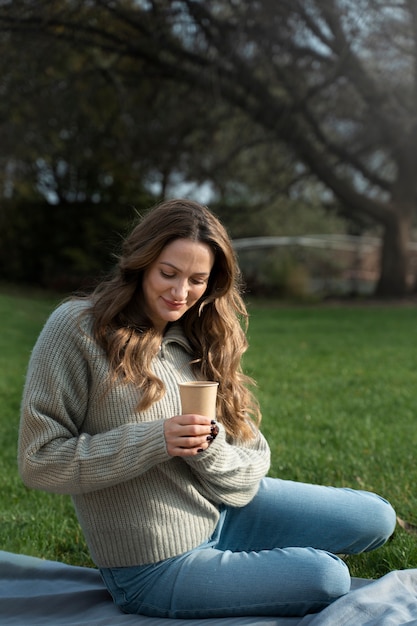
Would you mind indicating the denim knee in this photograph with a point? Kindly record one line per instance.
(332, 578)
(380, 523)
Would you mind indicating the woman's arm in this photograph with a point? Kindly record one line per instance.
(55, 452)
(229, 473)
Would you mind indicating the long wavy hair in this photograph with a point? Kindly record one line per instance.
(215, 326)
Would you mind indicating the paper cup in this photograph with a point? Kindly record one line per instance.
(199, 397)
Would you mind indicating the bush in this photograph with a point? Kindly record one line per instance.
(61, 246)
(274, 273)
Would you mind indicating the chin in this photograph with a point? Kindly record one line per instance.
(173, 317)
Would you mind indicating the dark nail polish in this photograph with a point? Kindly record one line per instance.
(200, 450)
(209, 437)
(213, 422)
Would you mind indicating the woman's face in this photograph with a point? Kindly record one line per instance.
(176, 280)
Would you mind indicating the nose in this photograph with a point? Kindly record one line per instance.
(180, 290)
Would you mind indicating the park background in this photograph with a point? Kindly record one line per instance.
(296, 121)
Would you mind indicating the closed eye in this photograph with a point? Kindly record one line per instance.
(166, 275)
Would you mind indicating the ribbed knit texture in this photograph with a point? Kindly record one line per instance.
(135, 503)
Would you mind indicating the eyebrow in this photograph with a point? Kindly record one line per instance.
(178, 269)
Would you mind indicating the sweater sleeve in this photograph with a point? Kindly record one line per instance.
(230, 472)
(54, 452)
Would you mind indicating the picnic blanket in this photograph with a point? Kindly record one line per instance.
(36, 592)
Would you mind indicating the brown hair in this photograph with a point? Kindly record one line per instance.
(215, 326)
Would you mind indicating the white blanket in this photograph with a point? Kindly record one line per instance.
(35, 592)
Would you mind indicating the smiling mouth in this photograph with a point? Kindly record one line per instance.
(174, 305)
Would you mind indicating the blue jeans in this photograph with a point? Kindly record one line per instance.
(273, 557)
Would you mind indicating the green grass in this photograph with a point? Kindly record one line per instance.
(31, 522)
(338, 389)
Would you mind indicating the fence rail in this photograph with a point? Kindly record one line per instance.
(337, 242)
(353, 262)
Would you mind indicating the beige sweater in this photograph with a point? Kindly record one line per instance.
(134, 502)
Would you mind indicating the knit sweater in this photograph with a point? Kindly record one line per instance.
(135, 503)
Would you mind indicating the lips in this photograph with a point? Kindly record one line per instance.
(174, 305)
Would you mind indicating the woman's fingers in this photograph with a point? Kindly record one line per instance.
(186, 435)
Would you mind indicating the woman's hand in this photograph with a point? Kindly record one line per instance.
(187, 435)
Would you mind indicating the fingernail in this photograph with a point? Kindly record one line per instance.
(209, 437)
(200, 450)
(213, 422)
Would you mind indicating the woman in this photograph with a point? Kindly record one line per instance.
(176, 509)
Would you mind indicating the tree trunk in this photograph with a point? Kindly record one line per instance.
(394, 257)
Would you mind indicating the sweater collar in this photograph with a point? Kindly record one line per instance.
(175, 334)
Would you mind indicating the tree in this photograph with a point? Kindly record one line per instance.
(67, 195)
(80, 150)
(335, 81)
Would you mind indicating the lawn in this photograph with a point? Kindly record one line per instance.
(337, 387)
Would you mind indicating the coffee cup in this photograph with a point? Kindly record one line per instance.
(199, 397)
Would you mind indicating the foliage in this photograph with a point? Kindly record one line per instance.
(334, 82)
(70, 186)
(336, 387)
(275, 273)
(61, 247)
